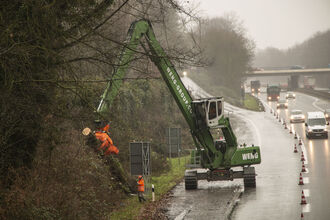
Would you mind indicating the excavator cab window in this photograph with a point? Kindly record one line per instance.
(212, 110)
(200, 114)
(219, 103)
(215, 111)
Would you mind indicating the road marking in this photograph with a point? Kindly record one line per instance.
(306, 192)
(306, 208)
(183, 214)
(314, 104)
(255, 128)
(306, 180)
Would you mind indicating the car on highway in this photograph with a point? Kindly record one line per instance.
(290, 95)
(282, 104)
(297, 116)
(327, 115)
(316, 125)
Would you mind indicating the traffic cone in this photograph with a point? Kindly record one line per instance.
(279, 120)
(302, 216)
(290, 131)
(302, 156)
(303, 168)
(300, 142)
(303, 199)
(301, 181)
(295, 149)
(295, 135)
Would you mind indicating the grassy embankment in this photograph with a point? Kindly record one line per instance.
(251, 103)
(131, 206)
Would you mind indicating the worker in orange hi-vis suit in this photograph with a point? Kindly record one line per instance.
(103, 136)
(140, 185)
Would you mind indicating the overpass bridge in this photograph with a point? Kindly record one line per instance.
(294, 74)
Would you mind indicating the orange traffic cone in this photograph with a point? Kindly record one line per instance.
(285, 127)
(303, 199)
(303, 168)
(301, 181)
(295, 149)
(295, 135)
(302, 216)
(302, 156)
(300, 142)
(279, 120)
(290, 130)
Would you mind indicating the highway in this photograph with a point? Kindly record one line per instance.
(277, 195)
(317, 178)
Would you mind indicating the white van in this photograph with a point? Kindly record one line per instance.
(316, 125)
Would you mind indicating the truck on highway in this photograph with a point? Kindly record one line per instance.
(204, 116)
(273, 92)
(255, 86)
(309, 82)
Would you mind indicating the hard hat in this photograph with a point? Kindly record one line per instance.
(140, 177)
(86, 131)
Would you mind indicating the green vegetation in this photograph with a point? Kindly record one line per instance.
(251, 103)
(163, 183)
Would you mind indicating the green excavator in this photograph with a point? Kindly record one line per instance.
(216, 157)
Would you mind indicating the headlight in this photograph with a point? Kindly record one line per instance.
(303, 116)
(294, 95)
(252, 90)
(269, 98)
(278, 104)
(286, 104)
(309, 129)
(325, 129)
(278, 97)
(326, 115)
(291, 117)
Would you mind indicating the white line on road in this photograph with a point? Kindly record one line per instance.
(255, 128)
(306, 192)
(306, 208)
(183, 214)
(306, 180)
(314, 104)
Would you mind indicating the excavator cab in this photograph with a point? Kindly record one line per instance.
(208, 111)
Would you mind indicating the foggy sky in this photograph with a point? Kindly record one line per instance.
(276, 23)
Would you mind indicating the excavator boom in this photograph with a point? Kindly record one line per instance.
(201, 115)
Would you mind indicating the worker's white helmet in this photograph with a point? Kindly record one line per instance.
(86, 131)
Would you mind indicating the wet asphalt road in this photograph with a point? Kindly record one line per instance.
(277, 195)
(317, 152)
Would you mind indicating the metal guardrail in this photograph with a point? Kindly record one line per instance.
(319, 94)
